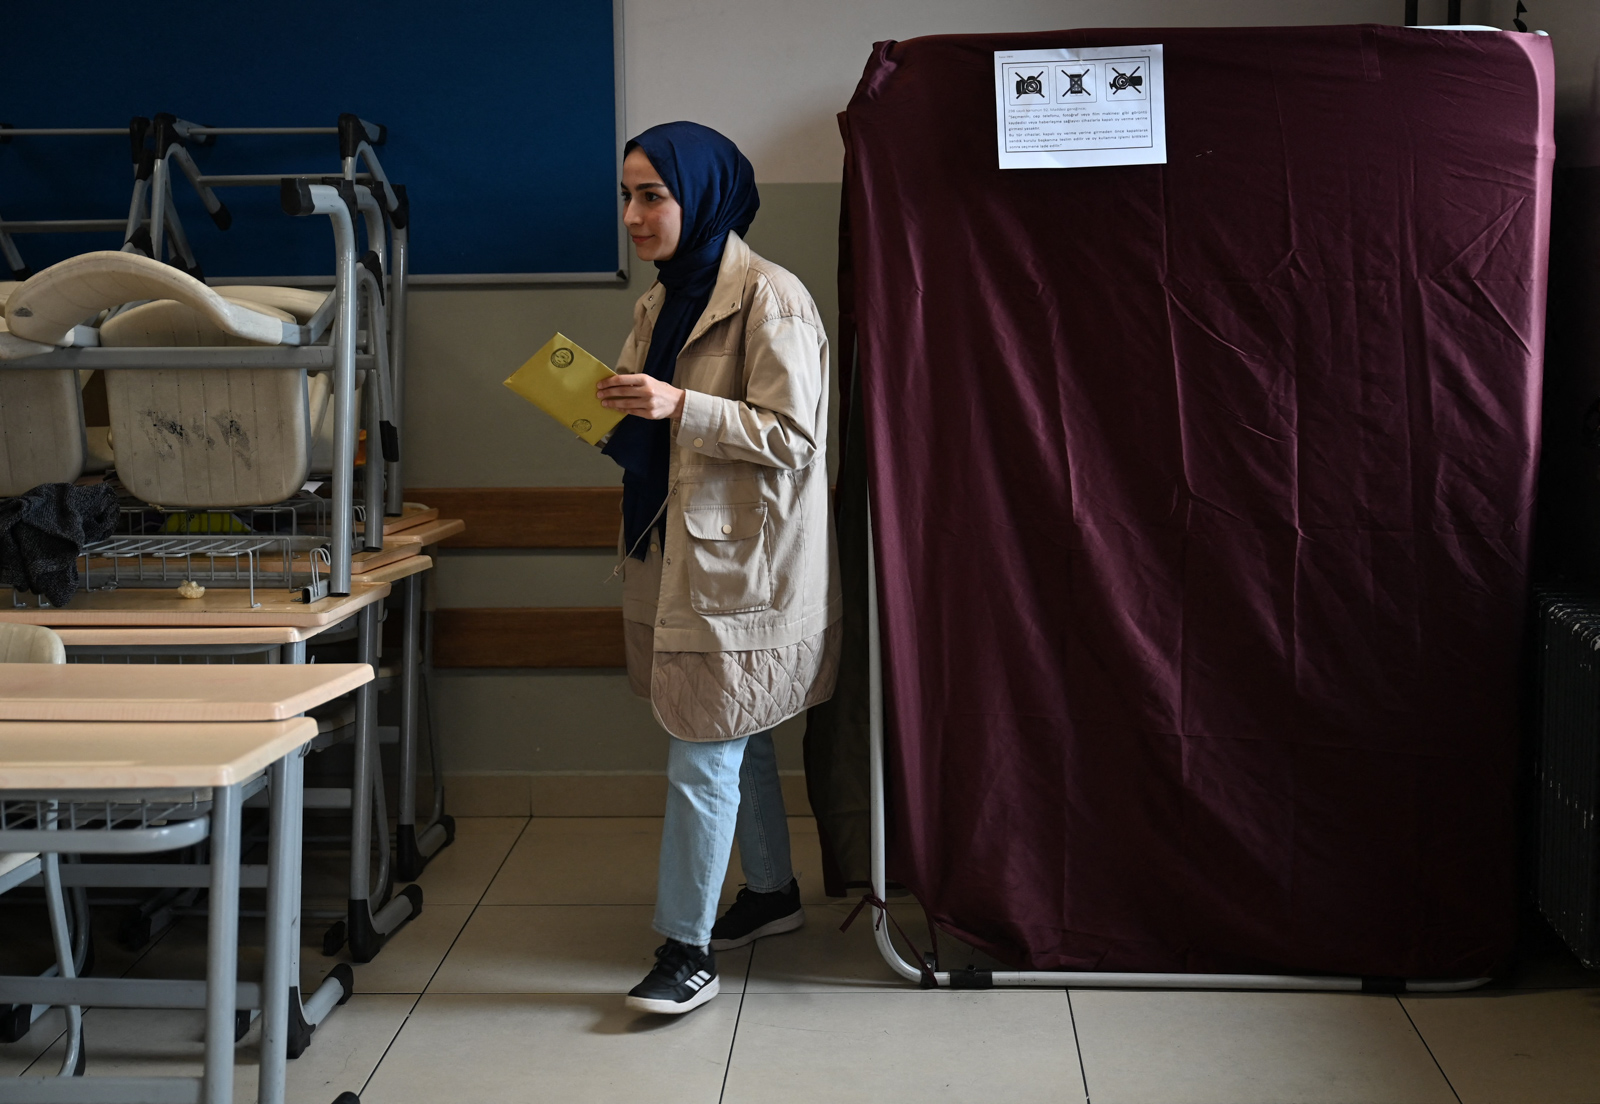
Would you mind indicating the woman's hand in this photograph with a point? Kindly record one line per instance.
(640, 395)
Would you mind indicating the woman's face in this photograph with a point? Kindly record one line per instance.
(651, 214)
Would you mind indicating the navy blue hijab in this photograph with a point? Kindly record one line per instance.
(716, 187)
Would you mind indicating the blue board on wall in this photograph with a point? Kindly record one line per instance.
(501, 116)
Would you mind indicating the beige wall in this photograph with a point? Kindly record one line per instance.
(772, 74)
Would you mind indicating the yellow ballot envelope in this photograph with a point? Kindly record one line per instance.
(560, 380)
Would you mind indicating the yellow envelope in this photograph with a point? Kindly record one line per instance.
(560, 380)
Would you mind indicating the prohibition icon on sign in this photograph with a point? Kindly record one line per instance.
(1126, 82)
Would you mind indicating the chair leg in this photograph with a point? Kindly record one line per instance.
(72, 1062)
(369, 925)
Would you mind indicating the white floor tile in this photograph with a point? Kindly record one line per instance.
(598, 949)
(587, 861)
(516, 1049)
(819, 958)
(1252, 1048)
(1515, 1047)
(459, 874)
(581, 861)
(869, 1048)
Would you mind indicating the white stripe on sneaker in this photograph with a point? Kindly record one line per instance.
(675, 1008)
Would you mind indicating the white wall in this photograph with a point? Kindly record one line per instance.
(772, 74)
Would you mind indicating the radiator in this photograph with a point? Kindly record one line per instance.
(1567, 770)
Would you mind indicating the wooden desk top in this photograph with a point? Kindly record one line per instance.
(69, 755)
(135, 636)
(400, 569)
(145, 608)
(413, 513)
(171, 691)
(432, 532)
(363, 562)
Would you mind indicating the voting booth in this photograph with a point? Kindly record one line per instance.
(1200, 473)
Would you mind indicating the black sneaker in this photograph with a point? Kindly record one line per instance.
(684, 977)
(753, 915)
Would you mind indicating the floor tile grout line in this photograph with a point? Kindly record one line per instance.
(416, 999)
(1406, 1012)
(476, 905)
(1077, 1043)
(733, 1041)
(367, 1083)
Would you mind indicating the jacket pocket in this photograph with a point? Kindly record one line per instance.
(728, 553)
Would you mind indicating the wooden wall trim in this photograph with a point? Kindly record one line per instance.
(584, 636)
(528, 517)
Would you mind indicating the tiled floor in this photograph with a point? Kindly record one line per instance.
(508, 988)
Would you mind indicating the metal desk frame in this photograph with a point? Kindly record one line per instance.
(221, 994)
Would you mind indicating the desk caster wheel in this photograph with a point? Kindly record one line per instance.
(241, 1023)
(333, 938)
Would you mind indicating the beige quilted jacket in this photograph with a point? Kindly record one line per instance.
(732, 627)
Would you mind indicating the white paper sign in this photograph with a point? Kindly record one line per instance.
(1102, 105)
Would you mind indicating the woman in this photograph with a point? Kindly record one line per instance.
(730, 584)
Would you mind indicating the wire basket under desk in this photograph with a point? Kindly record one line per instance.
(242, 561)
(104, 822)
(284, 545)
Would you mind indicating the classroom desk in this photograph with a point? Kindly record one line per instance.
(395, 547)
(144, 610)
(204, 735)
(171, 692)
(414, 513)
(146, 607)
(394, 572)
(432, 532)
(200, 638)
(283, 643)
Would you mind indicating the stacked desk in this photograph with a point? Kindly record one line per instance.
(135, 621)
(173, 750)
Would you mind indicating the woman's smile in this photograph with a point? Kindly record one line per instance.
(649, 210)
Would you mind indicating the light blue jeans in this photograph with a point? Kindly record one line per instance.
(716, 791)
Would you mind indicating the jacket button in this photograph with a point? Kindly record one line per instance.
(699, 442)
(668, 561)
(663, 621)
(727, 528)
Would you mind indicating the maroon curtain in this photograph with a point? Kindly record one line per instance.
(1202, 496)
